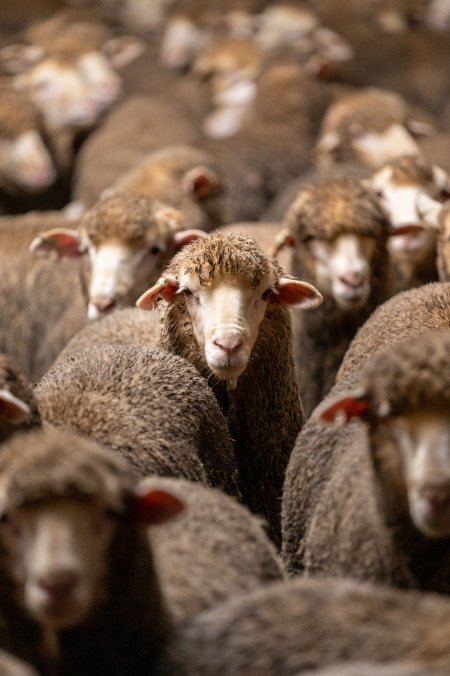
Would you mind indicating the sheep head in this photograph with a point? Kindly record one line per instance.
(225, 282)
(404, 400)
(64, 502)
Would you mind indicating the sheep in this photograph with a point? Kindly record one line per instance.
(371, 126)
(399, 186)
(370, 500)
(406, 315)
(147, 405)
(435, 219)
(68, 71)
(183, 177)
(225, 313)
(306, 626)
(128, 238)
(137, 127)
(339, 234)
(26, 167)
(93, 601)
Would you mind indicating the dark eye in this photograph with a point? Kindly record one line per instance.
(155, 249)
(444, 195)
(266, 295)
(185, 291)
(111, 513)
(4, 518)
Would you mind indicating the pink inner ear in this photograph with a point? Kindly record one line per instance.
(64, 242)
(410, 229)
(12, 412)
(352, 407)
(295, 292)
(200, 182)
(156, 507)
(184, 237)
(163, 288)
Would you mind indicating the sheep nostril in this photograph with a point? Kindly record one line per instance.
(104, 303)
(60, 584)
(437, 496)
(228, 345)
(355, 280)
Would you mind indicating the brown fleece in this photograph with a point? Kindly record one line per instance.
(293, 628)
(148, 406)
(404, 316)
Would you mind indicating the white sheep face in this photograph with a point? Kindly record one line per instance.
(26, 162)
(423, 441)
(119, 271)
(376, 148)
(102, 82)
(343, 268)
(225, 318)
(402, 202)
(58, 553)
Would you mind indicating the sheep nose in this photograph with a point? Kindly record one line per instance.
(228, 344)
(353, 279)
(436, 494)
(59, 584)
(103, 303)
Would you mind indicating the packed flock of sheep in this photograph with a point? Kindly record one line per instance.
(248, 474)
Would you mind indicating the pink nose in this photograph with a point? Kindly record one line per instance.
(228, 344)
(59, 584)
(436, 494)
(104, 303)
(353, 279)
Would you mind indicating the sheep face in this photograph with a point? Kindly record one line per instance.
(58, 555)
(181, 42)
(419, 442)
(226, 284)
(343, 268)
(25, 161)
(399, 188)
(375, 148)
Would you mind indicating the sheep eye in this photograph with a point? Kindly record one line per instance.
(185, 291)
(444, 195)
(4, 518)
(111, 513)
(155, 249)
(266, 295)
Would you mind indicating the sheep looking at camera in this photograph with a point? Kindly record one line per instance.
(386, 480)
(226, 314)
(81, 589)
(129, 239)
(338, 232)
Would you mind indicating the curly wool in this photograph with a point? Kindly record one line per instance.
(124, 217)
(223, 254)
(327, 209)
(411, 375)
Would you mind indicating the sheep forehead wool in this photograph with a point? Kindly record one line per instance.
(330, 208)
(124, 217)
(411, 375)
(371, 109)
(224, 254)
(17, 114)
(49, 464)
(411, 169)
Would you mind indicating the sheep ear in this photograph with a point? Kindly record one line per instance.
(418, 128)
(282, 239)
(342, 408)
(332, 45)
(12, 409)
(295, 293)
(154, 507)
(123, 50)
(184, 237)
(201, 182)
(60, 241)
(164, 288)
(17, 58)
(328, 143)
(429, 210)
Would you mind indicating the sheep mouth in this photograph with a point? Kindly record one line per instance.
(432, 519)
(60, 613)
